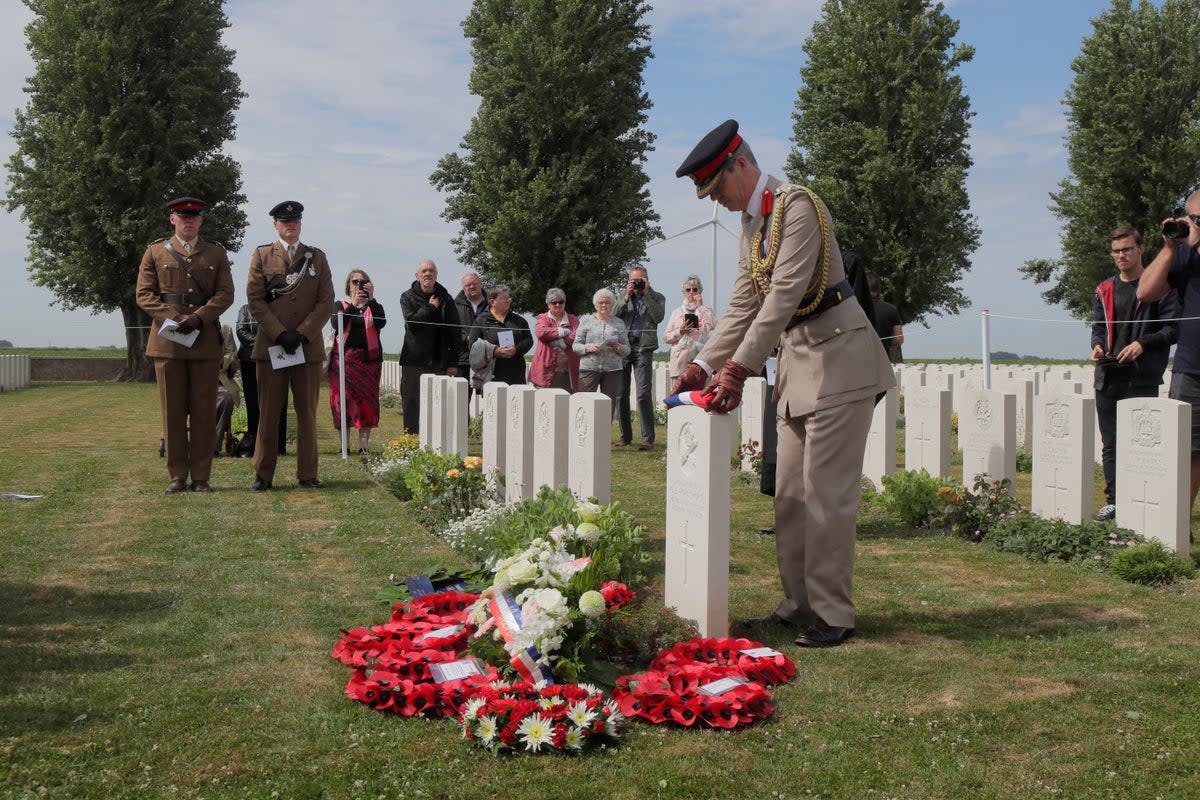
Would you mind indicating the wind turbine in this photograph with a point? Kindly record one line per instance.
(715, 223)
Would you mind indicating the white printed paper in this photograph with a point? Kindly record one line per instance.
(722, 686)
(505, 339)
(170, 330)
(280, 359)
(761, 652)
(442, 633)
(454, 670)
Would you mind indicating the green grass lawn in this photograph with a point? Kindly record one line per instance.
(178, 646)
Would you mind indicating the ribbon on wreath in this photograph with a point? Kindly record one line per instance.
(507, 614)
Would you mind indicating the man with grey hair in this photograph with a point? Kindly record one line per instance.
(432, 339)
(470, 302)
(642, 310)
(1177, 268)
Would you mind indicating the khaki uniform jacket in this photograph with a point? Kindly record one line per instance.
(306, 309)
(825, 361)
(160, 274)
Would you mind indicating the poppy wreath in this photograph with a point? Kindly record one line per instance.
(675, 697)
(449, 608)
(767, 670)
(616, 595)
(408, 629)
(555, 718)
(388, 691)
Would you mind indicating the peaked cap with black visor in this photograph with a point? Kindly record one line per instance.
(705, 165)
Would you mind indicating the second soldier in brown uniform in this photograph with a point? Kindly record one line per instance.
(186, 281)
(290, 293)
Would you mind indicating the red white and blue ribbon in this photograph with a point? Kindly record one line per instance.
(507, 614)
(697, 398)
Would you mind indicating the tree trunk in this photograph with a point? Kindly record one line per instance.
(137, 333)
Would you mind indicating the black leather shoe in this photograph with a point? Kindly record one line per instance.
(767, 531)
(201, 486)
(312, 483)
(175, 487)
(261, 484)
(821, 635)
(768, 620)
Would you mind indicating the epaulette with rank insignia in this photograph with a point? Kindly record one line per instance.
(163, 239)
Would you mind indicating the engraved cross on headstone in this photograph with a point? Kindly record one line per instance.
(1060, 492)
(1144, 504)
(687, 546)
(925, 441)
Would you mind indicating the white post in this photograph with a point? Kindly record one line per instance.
(987, 349)
(341, 348)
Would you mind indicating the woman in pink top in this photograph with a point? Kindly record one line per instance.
(555, 364)
(689, 327)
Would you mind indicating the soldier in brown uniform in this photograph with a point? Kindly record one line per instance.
(791, 292)
(290, 293)
(186, 280)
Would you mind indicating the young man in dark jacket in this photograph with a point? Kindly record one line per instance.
(1130, 344)
(432, 339)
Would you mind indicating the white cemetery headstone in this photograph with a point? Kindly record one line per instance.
(662, 386)
(495, 427)
(518, 453)
(1022, 390)
(436, 419)
(589, 468)
(1154, 448)
(456, 417)
(550, 454)
(927, 431)
(1063, 475)
(754, 398)
(425, 410)
(879, 458)
(697, 530)
(987, 435)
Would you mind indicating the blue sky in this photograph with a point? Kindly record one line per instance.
(349, 110)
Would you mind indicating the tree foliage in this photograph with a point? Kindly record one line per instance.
(549, 188)
(129, 104)
(880, 132)
(1133, 142)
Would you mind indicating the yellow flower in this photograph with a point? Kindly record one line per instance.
(944, 490)
(452, 473)
(472, 462)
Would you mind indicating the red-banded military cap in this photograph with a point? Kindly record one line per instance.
(288, 209)
(704, 165)
(186, 206)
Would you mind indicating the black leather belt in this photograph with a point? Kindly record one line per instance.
(833, 296)
(181, 299)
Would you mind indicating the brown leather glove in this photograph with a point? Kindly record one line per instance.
(726, 392)
(693, 378)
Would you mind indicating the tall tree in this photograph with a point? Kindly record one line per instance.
(880, 133)
(549, 187)
(1133, 142)
(129, 104)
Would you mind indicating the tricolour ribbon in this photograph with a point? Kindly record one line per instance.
(507, 614)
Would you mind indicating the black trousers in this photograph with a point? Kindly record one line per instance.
(250, 393)
(1106, 416)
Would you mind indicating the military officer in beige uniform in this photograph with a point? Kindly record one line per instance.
(290, 293)
(791, 292)
(187, 281)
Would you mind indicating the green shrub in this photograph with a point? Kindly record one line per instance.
(1024, 460)
(912, 497)
(1043, 539)
(970, 514)
(445, 488)
(1150, 563)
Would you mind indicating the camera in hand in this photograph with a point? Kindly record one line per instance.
(1176, 228)
(691, 320)
(639, 284)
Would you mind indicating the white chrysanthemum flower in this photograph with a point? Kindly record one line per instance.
(487, 729)
(535, 731)
(574, 739)
(591, 604)
(547, 702)
(471, 709)
(588, 512)
(580, 714)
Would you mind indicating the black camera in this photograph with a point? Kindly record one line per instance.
(1176, 228)
(359, 282)
(639, 284)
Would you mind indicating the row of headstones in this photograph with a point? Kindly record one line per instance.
(533, 437)
(15, 372)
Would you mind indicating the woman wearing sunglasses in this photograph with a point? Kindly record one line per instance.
(362, 319)
(689, 327)
(555, 363)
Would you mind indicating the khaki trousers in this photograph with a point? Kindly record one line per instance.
(305, 381)
(818, 485)
(187, 392)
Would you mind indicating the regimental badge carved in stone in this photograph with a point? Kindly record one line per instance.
(1147, 427)
(983, 413)
(1058, 419)
(581, 427)
(514, 413)
(687, 444)
(489, 408)
(544, 419)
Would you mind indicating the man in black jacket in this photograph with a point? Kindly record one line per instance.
(432, 339)
(470, 302)
(1130, 344)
